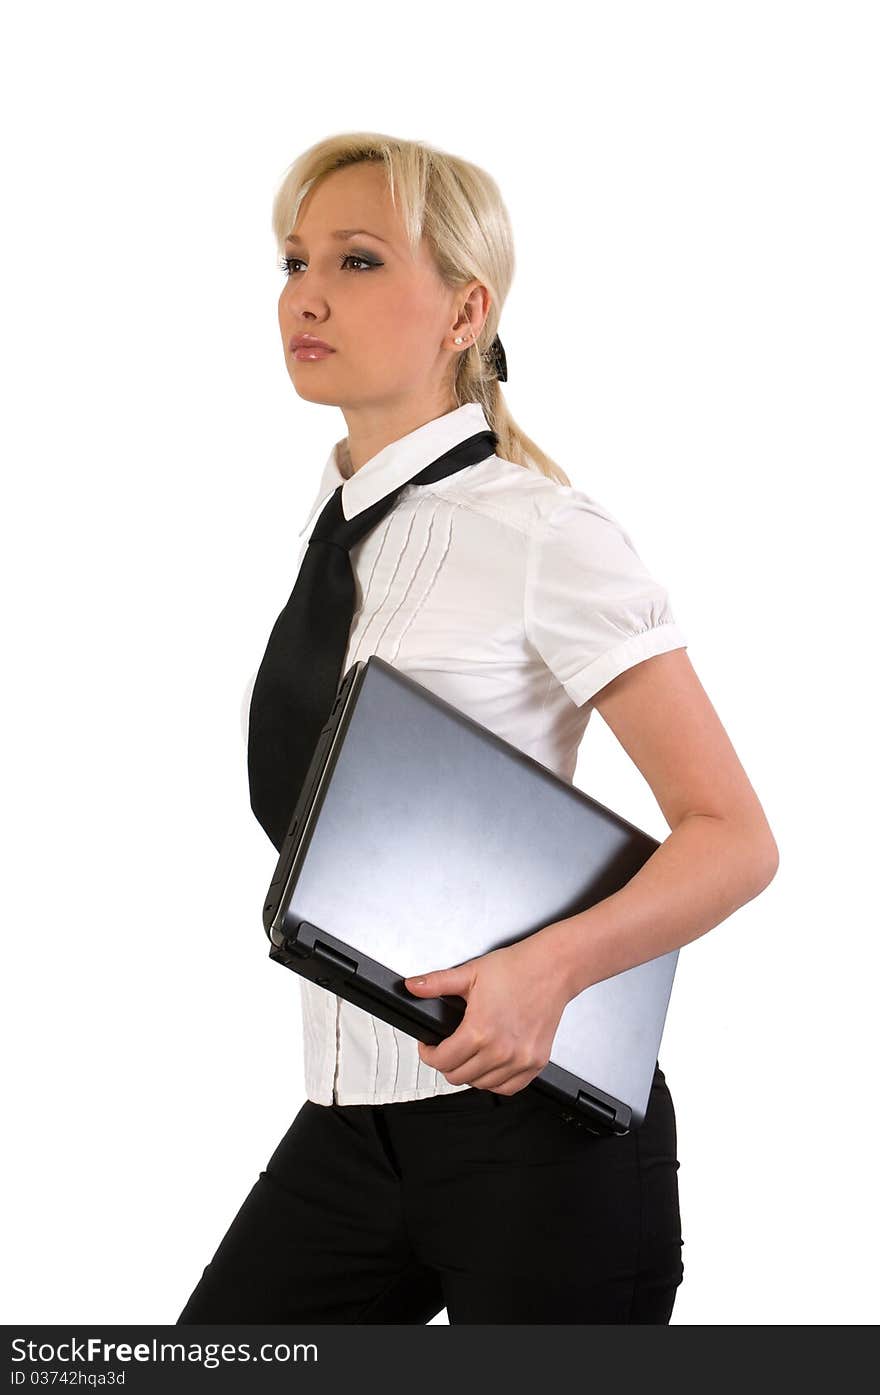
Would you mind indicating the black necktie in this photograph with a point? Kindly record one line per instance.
(298, 679)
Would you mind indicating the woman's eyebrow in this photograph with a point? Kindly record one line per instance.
(343, 233)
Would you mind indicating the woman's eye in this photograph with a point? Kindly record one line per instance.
(289, 264)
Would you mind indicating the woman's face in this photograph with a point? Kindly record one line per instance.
(389, 318)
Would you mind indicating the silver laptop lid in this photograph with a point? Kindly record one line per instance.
(434, 841)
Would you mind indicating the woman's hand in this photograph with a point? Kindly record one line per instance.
(515, 998)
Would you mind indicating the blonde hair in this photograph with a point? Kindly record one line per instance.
(458, 209)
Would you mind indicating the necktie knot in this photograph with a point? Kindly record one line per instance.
(333, 527)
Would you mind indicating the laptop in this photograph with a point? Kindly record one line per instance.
(422, 839)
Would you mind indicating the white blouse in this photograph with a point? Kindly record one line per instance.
(511, 596)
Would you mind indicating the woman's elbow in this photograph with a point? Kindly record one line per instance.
(758, 852)
(766, 861)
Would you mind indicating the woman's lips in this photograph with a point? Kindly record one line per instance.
(307, 352)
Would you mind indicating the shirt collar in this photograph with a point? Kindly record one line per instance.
(398, 462)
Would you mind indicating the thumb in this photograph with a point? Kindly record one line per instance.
(431, 985)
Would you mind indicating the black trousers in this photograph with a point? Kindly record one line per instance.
(491, 1206)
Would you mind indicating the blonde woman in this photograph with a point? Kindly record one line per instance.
(443, 539)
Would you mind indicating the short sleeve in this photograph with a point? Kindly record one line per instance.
(592, 608)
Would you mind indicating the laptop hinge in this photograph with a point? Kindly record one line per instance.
(598, 1107)
(333, 959)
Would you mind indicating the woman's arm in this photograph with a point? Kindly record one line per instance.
(720, 853)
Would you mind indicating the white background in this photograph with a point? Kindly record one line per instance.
(692, 334)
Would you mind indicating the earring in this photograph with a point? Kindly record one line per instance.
(495, 356)
(498, 359)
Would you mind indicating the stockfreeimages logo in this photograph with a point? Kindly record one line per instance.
(96, 1351)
